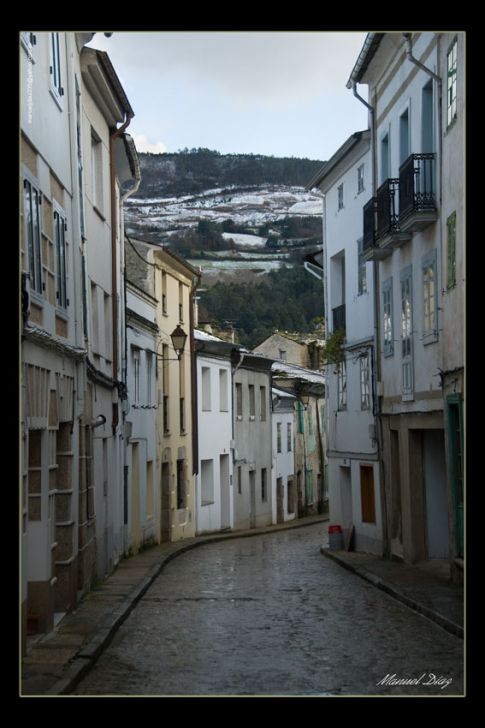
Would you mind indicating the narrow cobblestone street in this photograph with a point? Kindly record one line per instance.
(269, 615)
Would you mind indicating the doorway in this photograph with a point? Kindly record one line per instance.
(165, 515)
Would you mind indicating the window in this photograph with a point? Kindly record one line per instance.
(32, 200)
(239, 403)
(164, 292)
(60, 228)
(283, 355)
(406, 332)
(28, 41)
(181, 494)
(387, 318)
(223, 400)
(451, 251)
(362, 268)
(364, 383)
(149, 362)
(97, 171)
(342, 385)
(55, 67)
(181, 302)
(367, 496)
(385, 157)
(360, 179)
(149, 500)
(288, 437)
(262, 403)
(430, 304)
(166, 388)
(264, 488)
(206, 389)
(340, 197)
(451, 82)
(108, 326)
(278, 437)
(404, 136)
(207, 482)
(252, 402)
(182, 414)
(95, 318)
(136, 375)
(239, 480)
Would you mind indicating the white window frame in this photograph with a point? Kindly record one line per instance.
(451, 73)
(340, 197)
(206, 387)
(360, 178)
(365, 382)
(97, 172)
(136, 375)
(33, 249)
(60, 240)
(56, 87)
(407, 348)
(387, 318)
(342, 385)
(362, 268)
(278, 437)
(430, 298)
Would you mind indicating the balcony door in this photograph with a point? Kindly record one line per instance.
(427, 119)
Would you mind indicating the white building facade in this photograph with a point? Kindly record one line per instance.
(252, 440)
(350, 423)
(141, 492)
(283, 484)
(214, 479)
(412, 219)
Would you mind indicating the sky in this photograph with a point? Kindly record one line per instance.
(273, 93)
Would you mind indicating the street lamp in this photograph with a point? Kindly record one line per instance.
(179, 337)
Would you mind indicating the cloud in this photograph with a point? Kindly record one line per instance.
(275, 68)
(143, 145)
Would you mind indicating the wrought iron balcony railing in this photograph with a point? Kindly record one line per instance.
(387, 217)
(369, 237)
(339, 318)
(417, 184)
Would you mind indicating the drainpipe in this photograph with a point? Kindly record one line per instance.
(410, 57)
(116, 134)
(193, 377)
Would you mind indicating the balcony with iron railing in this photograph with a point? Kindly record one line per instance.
(417, 192)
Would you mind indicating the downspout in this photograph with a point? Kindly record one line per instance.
(116, 134)
(377, 369)
(234, 415)
(193, 377)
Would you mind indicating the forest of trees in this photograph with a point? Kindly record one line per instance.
(294, 300)
(190, 171)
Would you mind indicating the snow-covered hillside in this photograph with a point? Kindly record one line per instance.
(250, 207)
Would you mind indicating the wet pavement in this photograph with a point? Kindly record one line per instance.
(269, 615)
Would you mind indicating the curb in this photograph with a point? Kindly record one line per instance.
(444, 622)
(88, 654)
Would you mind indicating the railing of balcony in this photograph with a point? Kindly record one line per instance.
(369, 237)
(339, 318)
(387, 219)
(417, 184)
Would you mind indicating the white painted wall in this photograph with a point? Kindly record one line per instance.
(142, 416)
(253, 449)
(284, 461)
(350, 432)
(215, 436)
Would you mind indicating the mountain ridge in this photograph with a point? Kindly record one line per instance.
(193, 171)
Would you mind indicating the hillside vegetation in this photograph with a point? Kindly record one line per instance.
(286, 299)
(190, 171)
